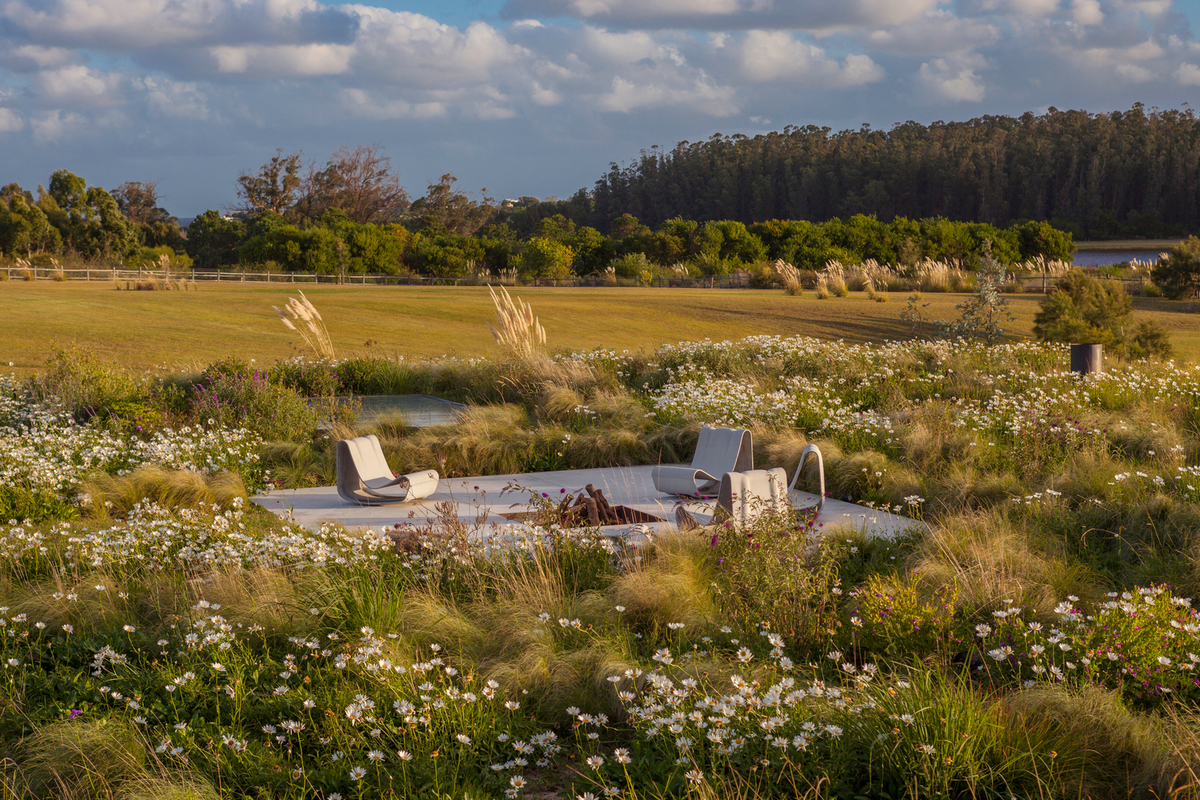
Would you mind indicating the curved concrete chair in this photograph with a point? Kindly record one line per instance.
(363, 476)
(746, 496)
(811, 450)
(719, 450)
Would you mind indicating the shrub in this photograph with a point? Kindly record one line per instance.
(132, 417)
(780, 570)
(1085, 309)
(1127, 643)
(1149, 339)
(1178, 275)
(888, 616)
(84, 384)
(762, 276)
(631, 265)
(229, 397)
(311, 378)
(547, 258)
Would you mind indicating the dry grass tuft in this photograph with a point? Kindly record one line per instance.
(790, 277)
(169, 488)
(557, 677)
(558, 404)
(187, 787)
(671, 584)
(1120, 748)
(931, 441)
(834, 278)
(311, 328)
(254, 596)
(77, 759)
(519, 331)
(991, 561)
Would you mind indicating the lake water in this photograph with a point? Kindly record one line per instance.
(418, 410)
(1102, 258)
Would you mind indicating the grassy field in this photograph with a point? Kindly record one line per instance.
(149, 329)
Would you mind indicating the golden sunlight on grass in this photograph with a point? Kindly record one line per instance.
(148, 329)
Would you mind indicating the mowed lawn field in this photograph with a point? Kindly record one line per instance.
(146, 329)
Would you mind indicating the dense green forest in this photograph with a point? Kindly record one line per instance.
(1098, 176)
(1027, 185)
(290, 225)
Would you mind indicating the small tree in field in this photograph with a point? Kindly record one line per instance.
(983, 314)
(1084, 309)
(1178, 275)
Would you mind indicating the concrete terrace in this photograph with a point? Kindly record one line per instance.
(481, 503)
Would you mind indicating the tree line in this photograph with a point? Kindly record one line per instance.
(351, 215)
(1098, 176)
(446, 234)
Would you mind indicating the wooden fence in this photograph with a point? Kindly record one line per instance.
(741, 280)
(125, 275)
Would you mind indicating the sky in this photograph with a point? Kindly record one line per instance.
(536, 97)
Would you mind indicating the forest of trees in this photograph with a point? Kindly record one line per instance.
(1132, 174)
(804, 195)
(329, 224)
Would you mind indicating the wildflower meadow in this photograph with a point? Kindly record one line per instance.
(1032, 634)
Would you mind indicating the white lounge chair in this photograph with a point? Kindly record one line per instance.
(363, 476)
(810, 450)
(719, 450)
(746, 496)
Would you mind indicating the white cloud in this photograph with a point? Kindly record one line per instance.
(53, 126)
(1033, 8)
(938, 32)
(626, 96)
(1188, 75)
(777, 56)
(619, 49)
(31, 57)
(10, 121)
(543, 96)
(1153, 9)
(366, 105)
(726, 15)
(283, 61)
(955, 80)
(415, 51)
(136, 25)
(180, 100)
(1135, 73)
(490, 110)
(1087, 12)
(1018, 8)
(1105, 58)
(78, 85)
